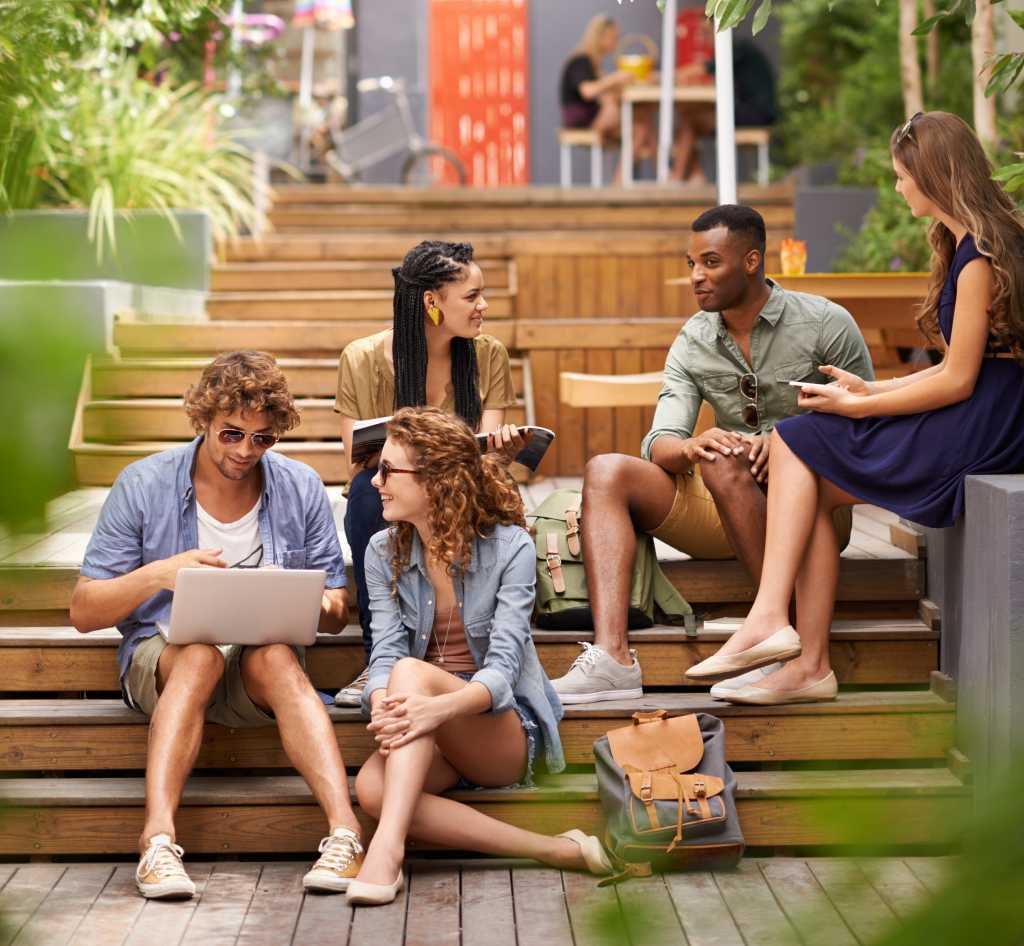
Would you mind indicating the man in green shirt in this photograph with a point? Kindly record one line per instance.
(704, 492)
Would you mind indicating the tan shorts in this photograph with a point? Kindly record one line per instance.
(230, 705)
(693, 525)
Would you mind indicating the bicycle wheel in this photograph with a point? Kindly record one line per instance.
(433, 166)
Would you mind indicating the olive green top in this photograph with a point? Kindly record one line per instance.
(794, 333)
(366, 377)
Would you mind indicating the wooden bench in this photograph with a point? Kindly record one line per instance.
(569, 138)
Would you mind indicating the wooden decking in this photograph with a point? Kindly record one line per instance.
(765, 902)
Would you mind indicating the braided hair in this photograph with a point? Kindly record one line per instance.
(431, 265)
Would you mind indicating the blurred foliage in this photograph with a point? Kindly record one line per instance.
(99, 107)
(839, 88)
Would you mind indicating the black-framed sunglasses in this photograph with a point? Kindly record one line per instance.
(905, 131)
(748, 388)
(385, 469)
(231, 435)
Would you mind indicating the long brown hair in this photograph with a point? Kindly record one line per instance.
(469, 492)
(947, 162)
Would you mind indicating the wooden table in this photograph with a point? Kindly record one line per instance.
(647, 93)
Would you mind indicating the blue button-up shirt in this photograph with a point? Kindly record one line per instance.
(150, 514)
(496, 591)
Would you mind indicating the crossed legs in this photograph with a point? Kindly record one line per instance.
(402, 789)
(186, 679)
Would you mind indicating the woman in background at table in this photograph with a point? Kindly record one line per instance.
(592, 100)
(435, 354)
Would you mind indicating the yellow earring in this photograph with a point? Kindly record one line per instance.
(435, 314)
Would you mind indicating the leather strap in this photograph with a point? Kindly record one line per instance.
(648, 716)
(572, 526)
(555, 564)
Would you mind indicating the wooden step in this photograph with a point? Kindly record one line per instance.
(56, 659)
(164, 419)
(335, 305)
(97, 464)
(277, 814)
(94, 734)
(531, 196)
(649, 215)
(153, 377)
(309, 339)
(334, 275)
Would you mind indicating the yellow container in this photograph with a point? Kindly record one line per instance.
(639, 64)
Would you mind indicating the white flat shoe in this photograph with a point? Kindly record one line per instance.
(721, 689)
(826, 688)
(360, 893)
(784, 644)
(594, 855)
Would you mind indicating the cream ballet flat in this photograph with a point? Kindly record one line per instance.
(824, 689)
(722, 689)
(784, 644)
(594, 855)
(360, 893)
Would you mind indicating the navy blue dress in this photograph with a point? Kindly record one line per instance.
(915, 464)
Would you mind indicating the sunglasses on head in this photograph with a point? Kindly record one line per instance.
(385, 469)
(905, 131)
(748, 388)
(231, 435)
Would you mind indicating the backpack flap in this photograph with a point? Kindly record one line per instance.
(656, 742)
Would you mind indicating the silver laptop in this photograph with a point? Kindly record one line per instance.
(253, 606)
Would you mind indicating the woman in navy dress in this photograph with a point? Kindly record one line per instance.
(906, 444)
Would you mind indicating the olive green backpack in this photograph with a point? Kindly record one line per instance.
(563, 603)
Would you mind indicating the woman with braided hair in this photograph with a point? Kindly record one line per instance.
(457, 696)
(434, 354)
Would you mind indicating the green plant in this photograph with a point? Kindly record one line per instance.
(128, 143)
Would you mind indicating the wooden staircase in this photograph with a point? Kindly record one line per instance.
(73, 755)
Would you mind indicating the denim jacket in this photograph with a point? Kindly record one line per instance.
(150, 514)
(496, 592)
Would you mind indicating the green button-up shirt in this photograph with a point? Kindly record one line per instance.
(794, 334)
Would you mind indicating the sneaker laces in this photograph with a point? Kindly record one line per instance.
(162, 858)
(360, 682)
(588, 659)
(338, 851)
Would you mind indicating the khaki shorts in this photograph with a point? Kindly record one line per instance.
(230, 705)
(693, 525)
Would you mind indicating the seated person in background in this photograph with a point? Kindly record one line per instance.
(435, 354)
(754, 93)
(705, 494)
(590, 99)
(457, 693)
(224, 500)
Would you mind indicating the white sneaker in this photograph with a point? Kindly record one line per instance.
(341, 856)
(721, 691)
(352, 695)
(595, 675)
(160, 874)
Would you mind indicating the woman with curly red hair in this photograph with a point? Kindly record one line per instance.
(456, 693)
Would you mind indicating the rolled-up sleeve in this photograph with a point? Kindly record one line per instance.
(843, 345)
(678, 402)
(115, 547)
(390, 637)
(510, 626)
(323, 550)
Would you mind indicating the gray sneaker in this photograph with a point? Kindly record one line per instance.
(352, 695)
(595, 676)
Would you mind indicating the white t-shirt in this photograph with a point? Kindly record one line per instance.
(240, 539)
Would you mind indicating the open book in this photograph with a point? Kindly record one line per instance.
(368, 438)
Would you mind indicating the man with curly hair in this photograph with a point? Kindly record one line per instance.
(224, 500)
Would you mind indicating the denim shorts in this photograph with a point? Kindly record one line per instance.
(528, 721)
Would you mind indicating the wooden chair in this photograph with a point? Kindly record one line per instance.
(758, 138)
(569, 138)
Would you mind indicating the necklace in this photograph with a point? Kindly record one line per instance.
(443, 645)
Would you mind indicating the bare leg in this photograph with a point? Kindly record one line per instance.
(620, 496)
(275, 680)
(742, 507)
(797, 496)
(186, 679)
(400, 791)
